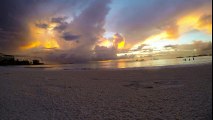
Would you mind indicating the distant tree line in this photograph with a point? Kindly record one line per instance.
(10, 60)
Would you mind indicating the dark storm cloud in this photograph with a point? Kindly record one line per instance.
(62, 24)
(88, 21)
(70, 37)
(42, 25)
(12, 13)
(61, 27)
(16, 14)
(89, 24)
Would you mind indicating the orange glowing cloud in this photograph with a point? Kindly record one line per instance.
(156, 41)
(41, 38)
(31, 45)
(105, 43)
(187, 22)
(37, 44)
(193, 21)
(121, 45)
(172, 32)
(117, 42)
(205, 23)
(196, 21)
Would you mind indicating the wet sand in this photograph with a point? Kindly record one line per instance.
(182, 93)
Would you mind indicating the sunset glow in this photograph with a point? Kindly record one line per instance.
(105, 43)
(106, 59)
(121, 45)
(41, 38)
(116, 41)
(195, 21)
(171, 35)
(80, 32)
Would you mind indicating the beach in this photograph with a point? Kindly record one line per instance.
(156, 93)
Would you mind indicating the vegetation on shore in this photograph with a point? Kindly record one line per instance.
(6, 60)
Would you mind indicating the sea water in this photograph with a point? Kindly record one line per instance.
(126, 64)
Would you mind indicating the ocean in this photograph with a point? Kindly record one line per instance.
(126, 64)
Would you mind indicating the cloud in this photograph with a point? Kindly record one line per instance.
(206, 19)
(34, 27)
(104, 53)
(170, 46)
(140, 47)
(119, 41)
(70, 37)
(143, 18)
(62, 25)
(61, 22)
(108, 48)
(205, 23)
(16, 15)
(45, 24)
(89, 27)
(202, 47)
(59, 19)
(197, 47)
(42, 25)
(173, 31)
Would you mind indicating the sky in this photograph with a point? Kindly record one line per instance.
(67, 31)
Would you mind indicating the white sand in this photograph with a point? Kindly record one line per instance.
(182, 93)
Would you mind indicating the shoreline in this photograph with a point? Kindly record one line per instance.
(51, 67)
(119, 65)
